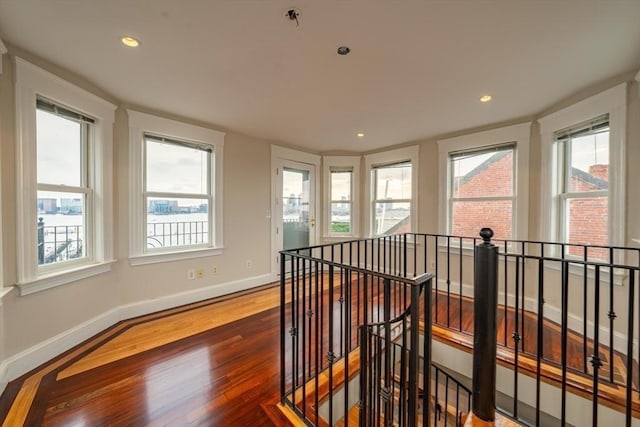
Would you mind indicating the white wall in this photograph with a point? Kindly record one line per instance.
(36, 327)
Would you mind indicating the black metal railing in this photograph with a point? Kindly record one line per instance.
(330, 295)
(568, 325)
(390, 362)
(179, 233)
(573, 320)
(58, 243)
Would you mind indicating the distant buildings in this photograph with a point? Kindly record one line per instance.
(71, 206)
(52, 206)
(48, 206)
(165, 207)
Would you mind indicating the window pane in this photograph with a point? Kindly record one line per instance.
(483, 174)
(177, 222)
(586, 224)
(61, 226)
(340, 186)
(340, 217)
(590, 162)
(469, 217)
(393, 182)
(59, 150)
(173, 168)
(392, 218)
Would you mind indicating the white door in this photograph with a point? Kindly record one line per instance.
(295, 208)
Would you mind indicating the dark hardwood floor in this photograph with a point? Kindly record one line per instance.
(223, 376)
(213, 363)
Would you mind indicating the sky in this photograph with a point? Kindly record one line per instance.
(172, 169)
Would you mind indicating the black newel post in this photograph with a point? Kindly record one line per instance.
(40, 241)
(485, 295)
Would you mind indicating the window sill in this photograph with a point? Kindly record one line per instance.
(64, 277)
(339, 237)
(173, 256)
(4, 292)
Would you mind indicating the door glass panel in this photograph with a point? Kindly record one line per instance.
(295, 208)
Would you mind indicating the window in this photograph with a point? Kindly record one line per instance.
(484, 182)
(64, 162)
(176, 195)
(341, 203)
(392, 191)
(178, 210)
(63, 188)
(392, 198)
(341, 195)
(482, 193)
(583, 185)
(583, 194)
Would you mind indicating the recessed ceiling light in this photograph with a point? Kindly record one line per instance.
(485, 98)
(343, 50)
(130, 41)
(360, 134)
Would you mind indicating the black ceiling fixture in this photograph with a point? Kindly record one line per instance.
(293, 15)
(343, 50)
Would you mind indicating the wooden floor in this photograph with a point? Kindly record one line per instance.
(211, 363)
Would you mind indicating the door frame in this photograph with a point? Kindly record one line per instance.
(287, 157)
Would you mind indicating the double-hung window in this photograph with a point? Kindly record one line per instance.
(64, 197)
(341, 189)
(391, 192)
(583, 185)
(481, 185)
(484, 182)
(64, 181)
(177, 194)
(583, 174)
(341, 196)
(391, 204)
(175, 175)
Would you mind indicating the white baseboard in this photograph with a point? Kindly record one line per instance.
(23, 362)
(34, 356)
(554, 314)
(141, 308)
(3, 376)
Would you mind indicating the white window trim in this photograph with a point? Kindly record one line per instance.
(352, 162)
(139, 123)
(388, 157)
(520, 135)
(32, 81)
(612, 102)
(3, 51)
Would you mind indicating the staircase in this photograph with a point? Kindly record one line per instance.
(366, 318)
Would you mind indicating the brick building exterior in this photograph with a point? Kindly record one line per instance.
(494, 178)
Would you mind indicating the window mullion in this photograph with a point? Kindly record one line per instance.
(480, 199)
(584, 194)
(63, 188)
(176, 195)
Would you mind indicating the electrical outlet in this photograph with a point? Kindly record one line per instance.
(191, 274)
(200, 273)
(249, 264)
(214, 269)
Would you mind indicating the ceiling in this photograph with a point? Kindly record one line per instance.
(416, 69)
